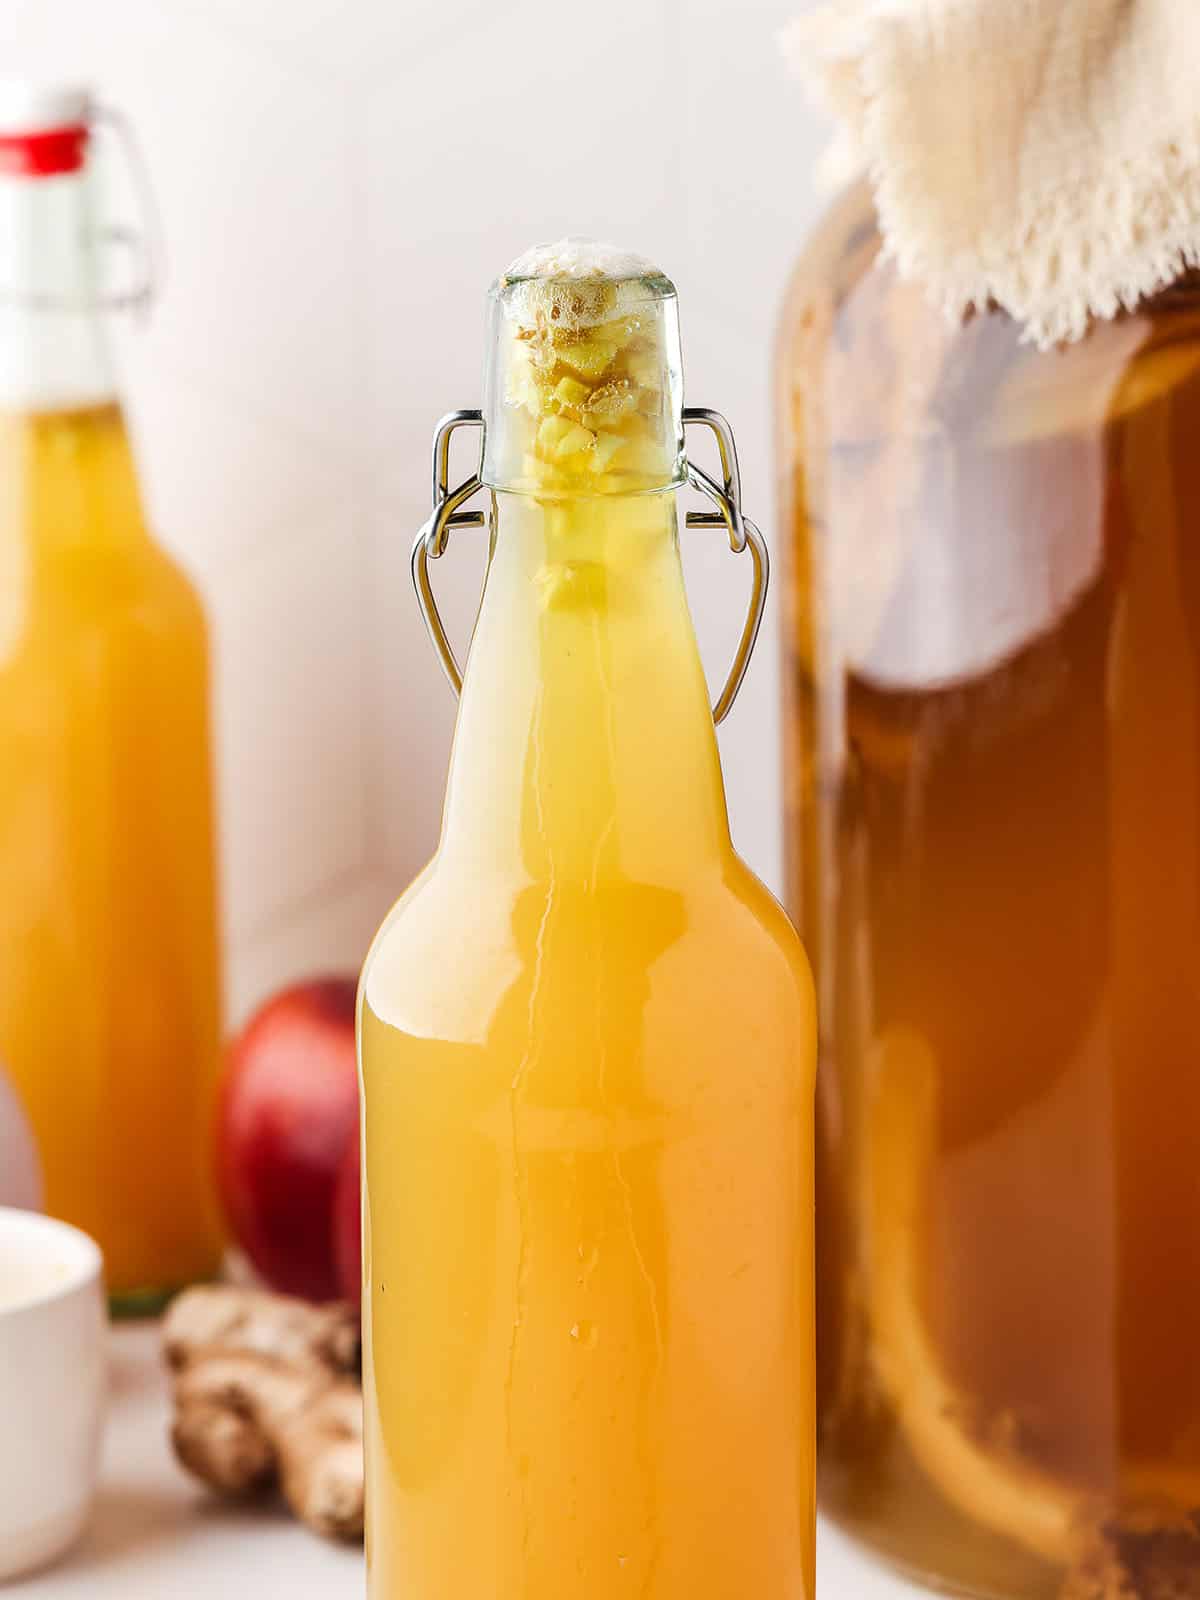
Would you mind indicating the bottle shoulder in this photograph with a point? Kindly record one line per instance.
(137, 590)
(451, 952)
(769, 924)
(446, 901)
(170, 581)
(78, 520)
(682, 994)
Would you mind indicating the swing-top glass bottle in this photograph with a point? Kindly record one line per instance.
(587, 1037)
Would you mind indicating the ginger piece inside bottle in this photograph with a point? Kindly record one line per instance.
(583, 361)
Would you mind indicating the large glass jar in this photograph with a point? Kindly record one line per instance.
(993, 798)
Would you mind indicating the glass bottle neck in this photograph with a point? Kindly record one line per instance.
(585, 747)
(54, 352)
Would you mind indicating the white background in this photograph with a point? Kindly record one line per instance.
(339, 181)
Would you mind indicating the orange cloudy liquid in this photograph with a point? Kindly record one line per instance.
(587, 1040)
(108, 965)
(998, 866)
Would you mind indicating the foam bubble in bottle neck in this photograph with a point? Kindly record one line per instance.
(584, 389)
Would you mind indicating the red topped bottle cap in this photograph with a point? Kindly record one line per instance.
(43, 128)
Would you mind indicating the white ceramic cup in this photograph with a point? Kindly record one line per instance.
(53, 1332)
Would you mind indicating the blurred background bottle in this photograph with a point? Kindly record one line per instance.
(109, 979)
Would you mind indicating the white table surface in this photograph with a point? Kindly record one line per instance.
(157, 1536)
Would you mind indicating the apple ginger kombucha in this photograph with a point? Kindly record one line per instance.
(587, 1045)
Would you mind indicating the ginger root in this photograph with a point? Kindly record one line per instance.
(266, 1324)
(267, 1394)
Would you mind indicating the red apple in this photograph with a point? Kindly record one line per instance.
(288, 1110)
(347, 1222)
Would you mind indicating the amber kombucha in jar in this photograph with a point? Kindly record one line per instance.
(993, 795)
